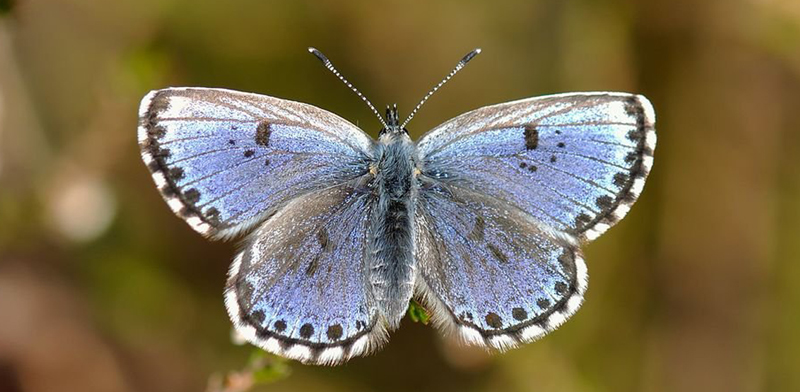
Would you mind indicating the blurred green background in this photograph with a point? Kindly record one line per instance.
(698, 289)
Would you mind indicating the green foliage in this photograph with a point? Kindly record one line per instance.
(417, 313)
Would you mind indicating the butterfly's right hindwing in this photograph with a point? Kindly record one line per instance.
(225, 160)
(299, 287)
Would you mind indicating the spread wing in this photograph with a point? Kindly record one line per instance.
(298, 287)
(575, 162)
(489, 272)
(225, 160)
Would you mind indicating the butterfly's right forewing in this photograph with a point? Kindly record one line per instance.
(225, 160)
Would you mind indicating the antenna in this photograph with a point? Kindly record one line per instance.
(330, 67)
(455, 70)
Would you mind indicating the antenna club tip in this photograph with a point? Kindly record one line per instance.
(477, 50)
(312, 49)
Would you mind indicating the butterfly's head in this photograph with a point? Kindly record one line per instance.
(393, 126)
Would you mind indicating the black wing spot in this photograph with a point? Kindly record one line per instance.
(558, 132)
(334, 332)
(519, 314)
(523, 165)
(306, 331)
(232, 142)
(582, 220)
(620, 179)
(561, 288)
(176, 173)
(156, 132)
(212, 216)
(553, 158)
(258, 316)
(280, 325)
(543, 303)
(479, 230)
(533, 168)
(493, 320)
(498, 254)
(360, 325)
(263, 132)
(561, 145)
(531, 137)
(249, 153)
(192, 196)
(266, 162)
(604, 202)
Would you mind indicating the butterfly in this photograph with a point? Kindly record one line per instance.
(481, 219)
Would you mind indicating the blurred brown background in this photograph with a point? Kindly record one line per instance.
(698, 289)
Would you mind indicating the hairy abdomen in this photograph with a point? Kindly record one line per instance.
(392, 273)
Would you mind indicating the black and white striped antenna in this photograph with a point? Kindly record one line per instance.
(455, 70)
(330, 67)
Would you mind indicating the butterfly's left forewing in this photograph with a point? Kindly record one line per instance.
(575, 162)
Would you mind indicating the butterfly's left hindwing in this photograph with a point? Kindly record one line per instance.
(489, 272)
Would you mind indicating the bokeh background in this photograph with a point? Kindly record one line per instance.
(698, 289)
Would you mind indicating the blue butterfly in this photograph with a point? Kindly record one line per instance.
(481, 219)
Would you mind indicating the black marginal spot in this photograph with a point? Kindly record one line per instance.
(558, 132)
(334, 332)
(519, 314)
(635, 135)
(523, 165)
(533, 168)
(620, 179)
(561, 288)
(266, 162)
(360, 325)
(498, 253)
(212, 216)
(156, 132)
(631, 157)
(552, 159)
(263, 132)
(478, 230)
(531, 137)
(280, 325)
(582, 220)
(192, 196)
(258, 316)
(176, 173)
(561, 145)
(232, 142)
(493, 320)
(543, 303)
(168, 191)
(469, 315)
(604, 202)
(249, 153)
(306, 331)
